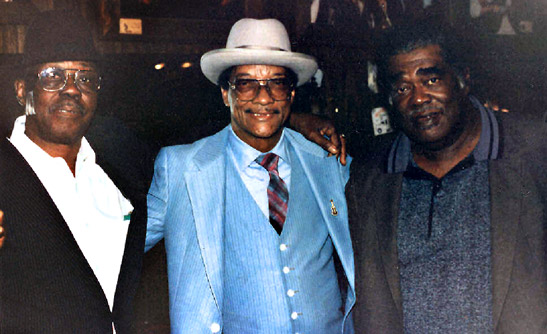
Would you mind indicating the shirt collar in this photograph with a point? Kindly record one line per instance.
(488, 147)
(245, 155)
(85, 154)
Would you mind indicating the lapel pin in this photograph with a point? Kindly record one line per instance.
(333, 210)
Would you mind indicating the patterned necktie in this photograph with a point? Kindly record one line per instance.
(278, 195)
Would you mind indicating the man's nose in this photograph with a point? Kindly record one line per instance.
(420, 95)
(71, 88)
(264, 96)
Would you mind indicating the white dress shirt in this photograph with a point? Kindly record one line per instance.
(255, 177)
(94, 209)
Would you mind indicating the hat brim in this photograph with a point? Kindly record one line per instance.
(213, 63)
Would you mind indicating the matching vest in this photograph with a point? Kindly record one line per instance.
(278, 283)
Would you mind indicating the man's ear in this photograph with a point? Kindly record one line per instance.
(464, 81)
(225, 93)
(292, 96)
(20, 91)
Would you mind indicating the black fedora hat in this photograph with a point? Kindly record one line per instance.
(59, 35)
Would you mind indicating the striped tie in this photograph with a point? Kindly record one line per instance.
(278, 195)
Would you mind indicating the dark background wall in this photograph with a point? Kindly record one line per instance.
(178, 105)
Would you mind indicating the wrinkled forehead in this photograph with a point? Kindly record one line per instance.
(419, 62)
(430, 55)
(77, 65)
(258, 71)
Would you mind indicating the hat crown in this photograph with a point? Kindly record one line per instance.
(255, 42)
(58, 35)
(268, 34)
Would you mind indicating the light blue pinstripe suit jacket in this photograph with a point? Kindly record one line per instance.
(186, 207)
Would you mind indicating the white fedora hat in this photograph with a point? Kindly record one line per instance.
(258, 42)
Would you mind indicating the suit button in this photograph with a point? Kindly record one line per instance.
(215, 328)
(294, 315)
(282, 247)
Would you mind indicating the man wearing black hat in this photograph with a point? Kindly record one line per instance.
(74, 222)
(72, 255)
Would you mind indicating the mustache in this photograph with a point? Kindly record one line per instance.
(70, 103)
(424, 109)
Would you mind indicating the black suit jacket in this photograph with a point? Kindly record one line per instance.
(518, 190)
(46, 284)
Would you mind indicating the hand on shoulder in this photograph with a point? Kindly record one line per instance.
(322, 132)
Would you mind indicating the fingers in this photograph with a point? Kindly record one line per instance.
(334, 139)
(318, 130)
(340, 141)
(332, 143)
(343, 153)
(324, 142)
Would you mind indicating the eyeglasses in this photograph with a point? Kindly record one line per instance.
(248, 89)
(53, 79)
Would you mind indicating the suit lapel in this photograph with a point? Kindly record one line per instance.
(20, 184)
(505, 197)
(325, 191)
(506, 191)
(505, 210)
(206, 189)
(131, 265)
(387, 213)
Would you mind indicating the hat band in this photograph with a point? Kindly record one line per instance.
(259, 47)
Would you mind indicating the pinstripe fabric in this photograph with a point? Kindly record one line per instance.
(257, 290)
(194, 265)
(187, 205)
(278, 194)
(253, 288)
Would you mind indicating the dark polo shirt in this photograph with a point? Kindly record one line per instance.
(443, 238)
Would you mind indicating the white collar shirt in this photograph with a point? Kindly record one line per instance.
(254, 176)
(93, 207)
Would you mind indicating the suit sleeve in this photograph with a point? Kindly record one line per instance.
(157, 201)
